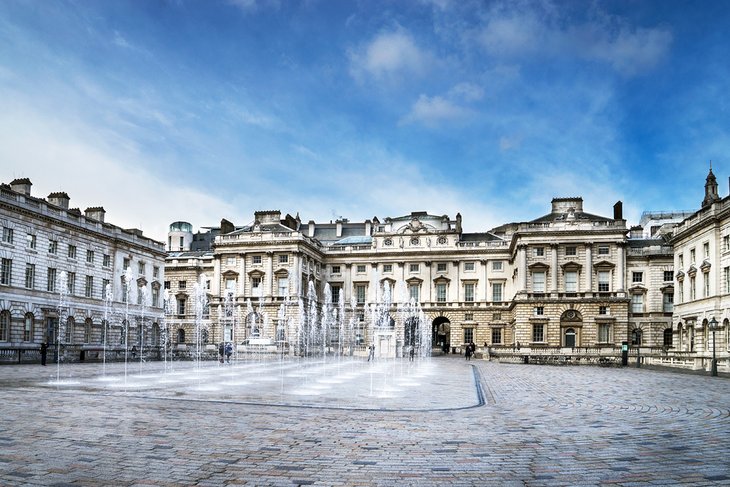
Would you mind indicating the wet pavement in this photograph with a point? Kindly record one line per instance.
(439, 422)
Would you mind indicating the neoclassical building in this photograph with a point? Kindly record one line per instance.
(56, 265)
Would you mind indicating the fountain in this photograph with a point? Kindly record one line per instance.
(200, 298)
(62, 286)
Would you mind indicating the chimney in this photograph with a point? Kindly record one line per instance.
(368, 228)
(60, 199)
(618, 211)
(21, 185)
(227, 227)
(95, 213)
(310, 232)
(339, 228)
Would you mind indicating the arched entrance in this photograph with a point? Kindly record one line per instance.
(571, 323)
(441, 333)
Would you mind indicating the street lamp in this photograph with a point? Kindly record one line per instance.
(713, 326)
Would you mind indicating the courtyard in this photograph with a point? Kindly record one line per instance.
(443, 421)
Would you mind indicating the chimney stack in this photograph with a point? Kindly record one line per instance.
(95, 213)
(618, 211)
(21, 185)
(60, 199)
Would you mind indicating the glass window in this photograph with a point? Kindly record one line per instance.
(692, 288)
(570, 250)
(604, 333)
(283, 286)
(441, 292)
(155, 272)
(539, 251)
(668, 337)
(668, 302)
(335, 269)
(441, 267)
(637, 303)
(539, 310)
(284, 259)
(692, 256)
(4, 325)
(361, 268)
(71, 282)
(31, 241)
(52, 246)
(28, 326)
(497, 291)
(6, 272)
(71, 251)
(603, 250)
(414, 267)
(604, 281)
(538, 332)
(469, 292)
(468, 335)
(89, 287)
(182, 284)
(181, 306)
(255, 282)
(668, 276)
(538, 282)
(335, 290)
(468, 266)
(30, 276)
(360, 293)
(637, 277)
(603, 310)
(89, 256)
(7, 235)
(140, 268)
(468, 316)
(231, 284)
(256, 259)
(706, 249)
(87, 331)
(156, 297)
(496, 336)
(106, 260)
(414, 292)
(497, 265)
(387, 268)
(571, 282)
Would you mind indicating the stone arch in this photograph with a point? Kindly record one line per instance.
(441, 332)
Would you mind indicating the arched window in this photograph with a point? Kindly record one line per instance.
(87, 330)
(70, 325)
(28, 326)
(668, 337)
(180, 336)
(4, 325)
(570, 337)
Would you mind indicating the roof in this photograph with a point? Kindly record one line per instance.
(355, 240)
(575, 216)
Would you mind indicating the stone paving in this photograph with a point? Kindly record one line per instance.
(506, 424)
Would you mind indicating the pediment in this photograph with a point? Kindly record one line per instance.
(604, 264)
(229, 273)
(571, 266)
(538, 266)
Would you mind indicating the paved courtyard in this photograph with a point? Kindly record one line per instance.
(442, 422)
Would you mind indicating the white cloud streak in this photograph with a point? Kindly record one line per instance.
(390, 57)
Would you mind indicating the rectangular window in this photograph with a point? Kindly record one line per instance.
(680, 288)
(468, 316)
(387, 268)
(28, 328)
(637, 303)
(538, 282)
(497, 291)
(155, 272)
(230, 284)
(255, 282)
(283, 286)
(30, 276)
(681, 261)
(468, 266)
(166, 285)
(140, 268)
(156, 297)
(361, 269)
(7, 235)
(571, 250)
(604, 281)
(125, 263)
(182, 284)
(230, 261)
(89, 286)
(71, 283)
(603, 250)
(106, 287)
(181, 244)
(604, 333)
(71, 251)
(668, 276)
(668, 302)
(181, 306)
(726, 276)
(637, 277)
(414, 267)
(414, 292)
(538, 332)
(706, 282)
(31, 241)
(441, 267)
(53, 246)
(539, 251)
(497, 265)
(692, 288)
(360, 293)
(706, 249)
(571, 282)
(89, 256)
(106, 260)
(469, 292)
(726, 243)
(603, 310)
(468, 335)
(256, 259)
(335, 294)
(51, 284)
(6, 272)
(441, 293)
(496, 336)
(539, 310)
(335, 269)
(496, 316)
(692, 255)
(284, 259)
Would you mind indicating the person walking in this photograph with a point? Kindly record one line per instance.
(371, 352)
(44, 353)
(467, 351)
(412, 353)
(221, 351)
(229, 351)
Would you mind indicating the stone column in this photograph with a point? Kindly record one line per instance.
(242, 278)
(215, 287)
(522, 267)
(268, 290)
(554, 269)
(589, 267)
(621, 268)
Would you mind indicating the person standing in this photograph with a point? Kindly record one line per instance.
(44, 353)
(221, 351)
(371, 354)
(413, 353)
(229, 351)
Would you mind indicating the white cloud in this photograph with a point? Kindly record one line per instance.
(433, 110)
(248, 6)
(467, 92)
(390, 56)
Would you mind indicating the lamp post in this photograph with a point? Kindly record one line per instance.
(713, 326)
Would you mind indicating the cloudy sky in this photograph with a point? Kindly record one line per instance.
(201, 110)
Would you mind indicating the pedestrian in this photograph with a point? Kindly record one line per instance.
(412, 353)
(229, 351)
(473, 347)
(371, 352)
(221, 349)
(44, 352)
(467, 351)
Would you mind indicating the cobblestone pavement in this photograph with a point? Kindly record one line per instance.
(531, 425)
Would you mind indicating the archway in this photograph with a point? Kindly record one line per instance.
(571, 324)
(441, 333)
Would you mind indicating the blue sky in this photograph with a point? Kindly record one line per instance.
(201, 110)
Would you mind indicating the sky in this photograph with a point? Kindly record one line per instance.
(198, 110)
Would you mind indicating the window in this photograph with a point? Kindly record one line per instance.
(603, 310)
(156, 297)
(692, 288)
(71, 282)
(387, 268)
(106, 260)
(53, 246)
(6, 272)
(106, 289)
(604, 281)
(496, 316)
(125, 263)
(468, 335)
(413, 267)
(681, 292)
(166, 285)
(538, 282)
(4, 325)
(182, 284)
(124, 290)
(283, 286)
(539, 251)
(468, 316)
(140, 268)
(469, 266)
(28, 325)
(496, 336)
(604, 333)
(637, 303)
(284, 259)
(230, 261)
(441, 293)
(637, 277)
(231, 284)
(571, 282)
(726, 276)
(668, 276)
(497, 265)
(441, 267)
(181, 243)
(155, 272)
(71, 251)
(256, 259)
(361, 268)
(668, 302)
(571, 250)
(181, 306)
(539, 310)
(335, 290)
(255, 282)
(51, 280)
(497, 291)
(336, 269)
(87, 330)
(706, 250)
(414, 291)
(726, 243)
(31, 241)
(7, 235)
(681, 261)
(538, 332)
(30, 276)
(89, 286)
(603, 250)
(668, 337)
(469, 292)
(692, 256)
(706, 284)
(360, 293)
